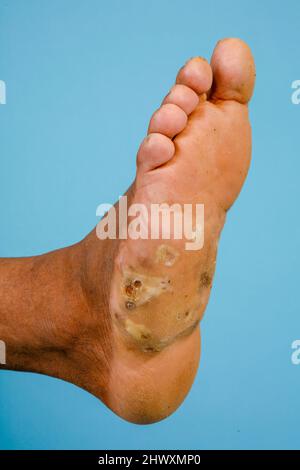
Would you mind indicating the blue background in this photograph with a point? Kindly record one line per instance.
(83, 78)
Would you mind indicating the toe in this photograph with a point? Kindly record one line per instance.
(155, 150)
(196, 74)
(169, 120)
(184, 97)
(233, 70)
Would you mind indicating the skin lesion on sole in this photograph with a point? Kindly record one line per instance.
(166, 255)
(205, 280)
(138, 289)
(146, 308)
(142, 336)
(147, 341)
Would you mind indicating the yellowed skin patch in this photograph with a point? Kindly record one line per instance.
(166, 255)
(138, 289)
(137, 331)
(142, 336)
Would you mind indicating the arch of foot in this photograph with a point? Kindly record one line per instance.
(153, 307)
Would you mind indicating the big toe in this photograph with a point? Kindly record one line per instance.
(233, 69)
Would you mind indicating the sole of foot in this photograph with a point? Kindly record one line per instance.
(197, 151)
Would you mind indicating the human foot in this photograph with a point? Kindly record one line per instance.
(197, 151)
(123, 320)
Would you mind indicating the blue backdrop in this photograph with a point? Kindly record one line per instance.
(83, 78)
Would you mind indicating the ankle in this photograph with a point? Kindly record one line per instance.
(40, 324)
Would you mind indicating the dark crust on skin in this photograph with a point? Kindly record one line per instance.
(205, 280)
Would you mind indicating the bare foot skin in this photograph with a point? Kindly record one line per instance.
(120, 318)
